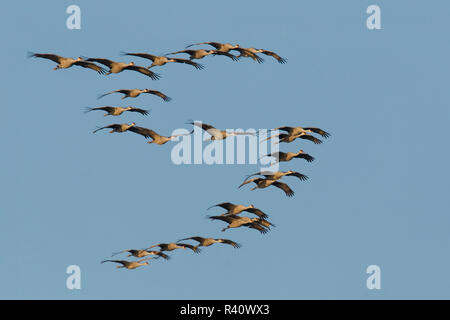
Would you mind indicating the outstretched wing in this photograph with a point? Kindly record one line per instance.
(196, 238)
(147, 133)
(187, 61)
(285, 128)
(305, 156)
(111, 126)
(226, 205)
(283, 186)
(142, 55)
(298, 175)
(124, 91)
(106, 108)
(144, 71)
(214, 44)
(273, 54)
(122, 262)
(49, 56)
(159, 94)
(141, 111)
(230, 242)
(248, 181)
(319, 131)
(90, 65)
(229, 55)
(310, 138)
(193, 248)
(105, 62)
(258, 212)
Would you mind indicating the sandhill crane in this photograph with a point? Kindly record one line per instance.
(146, 133)
(288, 138)
(117, 67)
(248, 54)
(268, 53)
(162, 60)
(117, 111)
(142, 253)
(222, 47)
(264, 183)
(238, 208)
(201, 53)
(117, 127)
(131, 264)
(133, 93)
(206, 242)
(277, 175)
(64, 63)
(287, 156)
(173, 246)
(157, 139)
(299, 130)
(217, 134)
(236, 221)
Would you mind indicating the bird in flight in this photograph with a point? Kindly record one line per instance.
(130, 265)
(162, 60)
(238, 208)
(222, 47)
(277, 175)
(133, 93)
(142, 253)
(268, 53)
(288, 156)
(64, 63)
(264, 183)
(217, 134)
(236, 221)
(117, 111)
(201, 53)
(206, 242)
(117, 67)
(173, 246)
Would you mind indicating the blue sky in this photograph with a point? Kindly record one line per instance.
(378, 190)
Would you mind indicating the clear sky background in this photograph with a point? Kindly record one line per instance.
(378, 190)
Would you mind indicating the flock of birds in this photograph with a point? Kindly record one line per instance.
(263, 179)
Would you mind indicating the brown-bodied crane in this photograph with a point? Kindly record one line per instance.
(238, 208)
(268, 53)
(133, 93)
(277, 175)
(201, 53)
(162, 60)
(288, 156)
(206, 242)
(222, 47)
(248, 54)
(131, 264)
(64, 62)
(236, 221)
(264, 183)
(140, 253)
(173, 246)
(117, 111)
(117, 67)
(217, 134)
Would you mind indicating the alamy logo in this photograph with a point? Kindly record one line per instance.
(228, 146)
